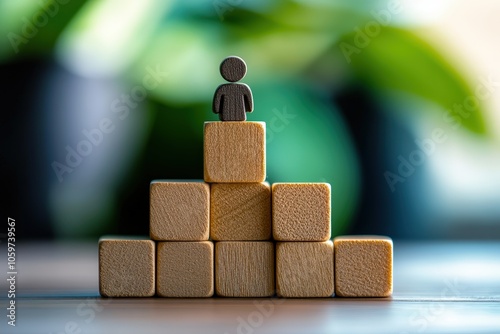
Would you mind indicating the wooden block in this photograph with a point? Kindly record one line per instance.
(126, 267)
(185, 269)
(235, 152)
(304, 269)
(363, 266)
(244, 268)
(179, 211)
(240, 211)
(301, 211)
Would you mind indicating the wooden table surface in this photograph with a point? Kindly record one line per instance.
(438, 288)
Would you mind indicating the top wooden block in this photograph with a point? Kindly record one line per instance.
(234, 152)
(179, 211)
(301, 211)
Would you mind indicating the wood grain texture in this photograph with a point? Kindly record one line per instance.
(301, 211)
(240, 211)
(304, 269)
(244, 268)
(126, 267)
(185, 269)
(179, 211)
(232, 102)
(234, 152)
(233, 68)
(363, 266)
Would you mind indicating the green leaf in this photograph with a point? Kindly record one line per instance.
(396, 59)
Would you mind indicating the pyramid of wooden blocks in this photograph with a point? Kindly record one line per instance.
(179, 211)
(304, 269)
(244, 268)
(240, 211)
(301, 211)
(126, 267)
(234, 152)
(269, 239)
(363, 266)
(185, 269)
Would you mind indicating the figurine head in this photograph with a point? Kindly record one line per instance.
(233, 69)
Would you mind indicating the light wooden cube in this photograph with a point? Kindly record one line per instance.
(301, 211)
(244, 268)
(179, 211)
(363, 266)
(304, 269)
(126, 267)
(234, 152)
(240, 211)
(185, 269)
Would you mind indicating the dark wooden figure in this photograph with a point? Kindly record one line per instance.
(233, 100)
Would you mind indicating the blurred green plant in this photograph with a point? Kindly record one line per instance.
(293, 51)
(399, 60)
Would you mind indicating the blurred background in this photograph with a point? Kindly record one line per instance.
(392, 102)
